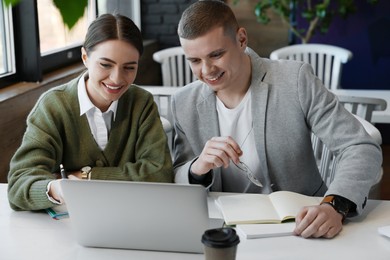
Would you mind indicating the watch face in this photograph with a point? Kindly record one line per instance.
(341, 205)
(338, 204)
(85, 172)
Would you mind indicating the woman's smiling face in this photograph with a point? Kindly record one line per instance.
(112, 67)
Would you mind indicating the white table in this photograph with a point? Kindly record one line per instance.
(161, 90)
(29, 235)
(377, 116)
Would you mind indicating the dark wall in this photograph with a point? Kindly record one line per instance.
(367, 34)
(160, 19)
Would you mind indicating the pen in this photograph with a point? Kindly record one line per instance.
(63, 173)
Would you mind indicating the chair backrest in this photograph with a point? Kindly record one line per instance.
(162, 97)
(175, 69)
(362, 108)
(328, 163)
(326, 60)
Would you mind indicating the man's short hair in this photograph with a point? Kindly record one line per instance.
(204, 15)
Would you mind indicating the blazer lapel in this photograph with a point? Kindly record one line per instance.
(208, 118)
(209, 127)
(259, 113)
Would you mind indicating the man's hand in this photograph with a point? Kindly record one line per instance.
(217, 152)
(318, 221)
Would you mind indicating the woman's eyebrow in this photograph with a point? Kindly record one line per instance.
(127, 63)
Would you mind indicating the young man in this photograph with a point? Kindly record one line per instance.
(248, 109)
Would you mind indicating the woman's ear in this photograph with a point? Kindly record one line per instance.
(84, 56)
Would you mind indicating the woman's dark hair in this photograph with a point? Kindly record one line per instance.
(113, 27)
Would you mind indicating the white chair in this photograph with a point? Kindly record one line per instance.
(362, 109)
(175, 69)
(362, 106)
(162, 97)
(326, 60)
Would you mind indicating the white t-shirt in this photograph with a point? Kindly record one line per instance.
(238, 124)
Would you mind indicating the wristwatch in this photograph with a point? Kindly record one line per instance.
(86, 172)
(340, 204)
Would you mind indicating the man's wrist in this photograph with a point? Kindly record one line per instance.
(198, 177)
(203, 179)
(194, 169)
(339, 203)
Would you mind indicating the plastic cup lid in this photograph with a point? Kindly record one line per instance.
(220, 238)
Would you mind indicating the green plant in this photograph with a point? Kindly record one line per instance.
(319, 14)
(71, 10)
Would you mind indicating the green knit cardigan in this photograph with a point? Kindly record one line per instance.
(137, 147)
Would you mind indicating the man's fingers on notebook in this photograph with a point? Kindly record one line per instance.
(304, 220)
(301, 214)
(318, 221)
(332, 232)
(322, 228)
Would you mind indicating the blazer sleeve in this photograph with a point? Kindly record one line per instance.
(358, 156)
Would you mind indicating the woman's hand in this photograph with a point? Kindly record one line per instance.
(55, 190)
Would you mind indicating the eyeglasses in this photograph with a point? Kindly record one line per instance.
(249, 174)
(244, 168)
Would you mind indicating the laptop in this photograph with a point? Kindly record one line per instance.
(138, 215)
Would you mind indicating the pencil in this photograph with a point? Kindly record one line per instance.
(63, 173)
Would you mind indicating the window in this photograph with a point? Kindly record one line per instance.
(53, 34)
(7, 54)
(33, 39)
(131, 9)
(59, 46)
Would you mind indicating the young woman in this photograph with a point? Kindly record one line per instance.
(98, 126)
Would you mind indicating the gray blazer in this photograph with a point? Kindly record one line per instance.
(288, 103)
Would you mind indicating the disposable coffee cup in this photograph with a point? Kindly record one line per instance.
(220, 244)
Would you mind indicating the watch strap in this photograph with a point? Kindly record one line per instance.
(340, 204)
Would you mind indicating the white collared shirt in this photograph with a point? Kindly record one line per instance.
(99, 123)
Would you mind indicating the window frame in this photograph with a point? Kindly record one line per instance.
(29, 63)
(7, 28)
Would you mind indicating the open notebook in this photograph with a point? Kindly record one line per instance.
(137, 215)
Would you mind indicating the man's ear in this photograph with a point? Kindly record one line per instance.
(84, 56)
(242, 37)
